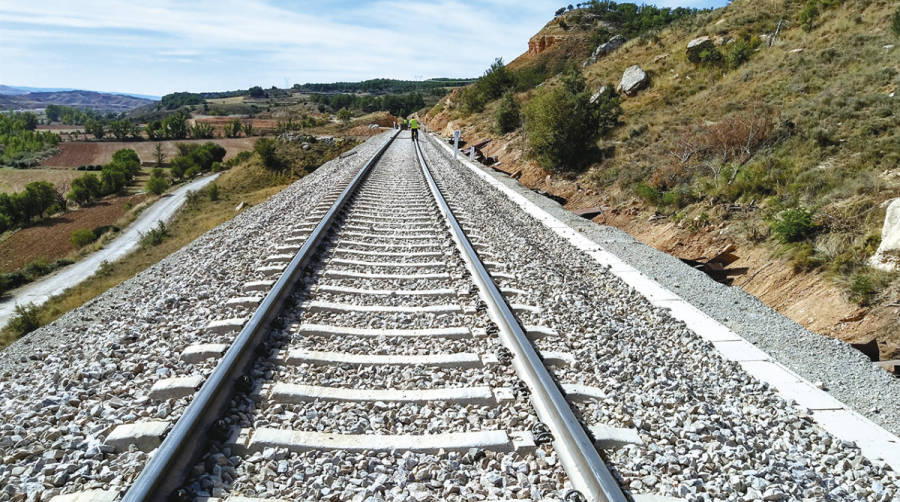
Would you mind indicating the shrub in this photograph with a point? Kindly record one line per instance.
(344, 115)
(157, 185)
(265, 148)
(863, 289)
(895, 22)
(507, 118)
(490, 86)
(793, 225)
(156, 235)
(25, 320)
(82, 237)
(213, 192)
(648, 193)
(562, 124)
(739, 52)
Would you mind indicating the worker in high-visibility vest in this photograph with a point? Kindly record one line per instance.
(414, 127)
(403, 124)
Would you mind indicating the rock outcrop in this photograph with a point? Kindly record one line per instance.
(887, 257)
(696, 46)
(633, 80)
(605, 48)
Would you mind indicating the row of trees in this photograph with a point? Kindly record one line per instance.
(396, 104)
(74, 116)
(20, 144)
(38, 200)
(384, 86)
(114, 177)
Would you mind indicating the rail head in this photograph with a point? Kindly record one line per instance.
(168, 467)
(580, 458)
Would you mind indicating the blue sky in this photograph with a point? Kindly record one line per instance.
(203, 45)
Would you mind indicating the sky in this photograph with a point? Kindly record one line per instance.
(166, 46)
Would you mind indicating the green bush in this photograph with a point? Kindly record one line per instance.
(895, 22)
(194, 159)
(739, 51)
(265, 148)
(156, 235)
(158, 183)
(82, 237)
(648, 193)
(490, 86)
(562, 124)
(793, 225)
(25, 320)
(507, 118)
(863, 289)
(213, 192)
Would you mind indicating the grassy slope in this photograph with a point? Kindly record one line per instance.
(835, 143)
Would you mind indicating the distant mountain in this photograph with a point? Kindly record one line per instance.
(103, 102)
(9, 90)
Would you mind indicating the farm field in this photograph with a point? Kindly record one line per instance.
(14, 180)
(78, 153)
(49, 240)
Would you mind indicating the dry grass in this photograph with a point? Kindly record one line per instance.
(14, 180)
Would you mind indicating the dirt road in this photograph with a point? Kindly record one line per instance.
(54, 284)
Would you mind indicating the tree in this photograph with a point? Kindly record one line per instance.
(85, 189)
(248, 128)
(265, 148)
(95, 128)
(233, 129)
(154, 130)
(256, 92)
(53, 112)
(507, 118)
(490, 86)
(344, 115)
(175, 125)
(120, 128)
(159, 154)
(129, 160)
(562, 123)
(30, 120)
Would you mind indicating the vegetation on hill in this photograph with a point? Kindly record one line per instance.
(788, 111)
(20, 144)
(396, 104)
(383, 86)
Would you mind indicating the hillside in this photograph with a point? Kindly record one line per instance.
(786, 147)
(98, 101)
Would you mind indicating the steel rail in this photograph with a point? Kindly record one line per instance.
(579, 456)
(168, 467)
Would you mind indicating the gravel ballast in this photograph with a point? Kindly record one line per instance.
(65, 386)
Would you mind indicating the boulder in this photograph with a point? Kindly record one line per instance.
(633, 80)
(887, 257)
(605, 48)
(698, 45)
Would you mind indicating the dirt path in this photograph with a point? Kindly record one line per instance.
(42, 290)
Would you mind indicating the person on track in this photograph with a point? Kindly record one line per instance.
(414, 127)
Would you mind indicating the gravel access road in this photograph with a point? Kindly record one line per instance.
(42, 290)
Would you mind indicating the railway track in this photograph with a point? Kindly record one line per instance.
(359, 351)
(385, 361)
